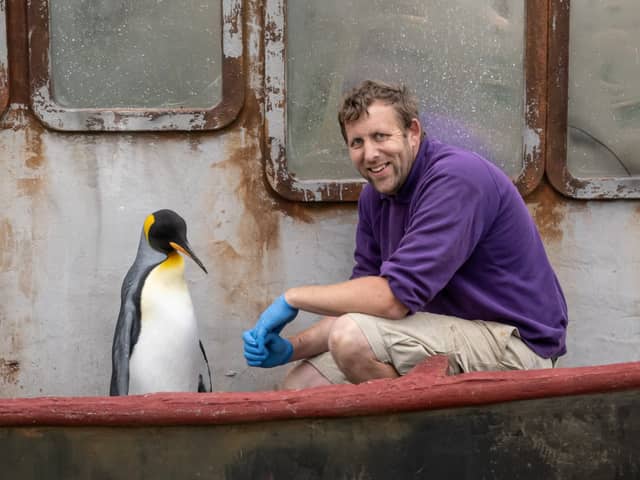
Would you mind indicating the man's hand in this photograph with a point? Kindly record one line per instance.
(274, 318)
(273, 352)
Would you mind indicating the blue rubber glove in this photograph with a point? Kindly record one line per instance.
(274, 352)
(254, 353)
(274, 318)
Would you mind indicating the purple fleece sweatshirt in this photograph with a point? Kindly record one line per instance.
(457, 239)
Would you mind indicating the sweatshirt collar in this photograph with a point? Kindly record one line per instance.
(406, 190)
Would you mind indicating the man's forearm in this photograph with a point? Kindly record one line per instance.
(370, 295)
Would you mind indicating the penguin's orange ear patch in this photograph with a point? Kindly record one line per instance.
(150, 220)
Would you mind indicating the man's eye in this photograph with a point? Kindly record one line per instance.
(356, 142)
(379, 136)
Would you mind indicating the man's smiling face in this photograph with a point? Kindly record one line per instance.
(381, 149)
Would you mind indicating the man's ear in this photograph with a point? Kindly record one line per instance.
(415, 134)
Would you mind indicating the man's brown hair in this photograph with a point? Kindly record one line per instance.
(356, 102)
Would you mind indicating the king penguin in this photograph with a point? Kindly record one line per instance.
(156, 346)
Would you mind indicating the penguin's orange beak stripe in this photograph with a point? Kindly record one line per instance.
(180, 249)
(150, 220)
(187, 251)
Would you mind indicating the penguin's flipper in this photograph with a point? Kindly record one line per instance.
(121, 350)
(202, 387)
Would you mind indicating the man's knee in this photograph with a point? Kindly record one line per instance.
(347, 343)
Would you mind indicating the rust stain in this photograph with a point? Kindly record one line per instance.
(7, 245)
(9, 371)
(32, 185)
(549, 209)
(223, 249)
(250, 263)
(4, 89)
(25, 276)
(34, 158)
(241, 261)
(29, 186)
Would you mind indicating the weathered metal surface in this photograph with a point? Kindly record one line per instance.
(16, 12)
(73, 204)
(566, 423)
(535, 111)
(136, 119)
(4, 60)
(558, 80)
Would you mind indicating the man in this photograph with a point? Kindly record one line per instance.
(448, 261)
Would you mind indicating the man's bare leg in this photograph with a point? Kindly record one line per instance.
(309, 343)
(353, 354)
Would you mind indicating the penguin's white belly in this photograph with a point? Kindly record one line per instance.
(167, 354)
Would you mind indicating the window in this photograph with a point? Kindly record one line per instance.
(478, 66)
(595, 99)
(143, 65)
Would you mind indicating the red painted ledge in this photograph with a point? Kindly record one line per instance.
(426, 387)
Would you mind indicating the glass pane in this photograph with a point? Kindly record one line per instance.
(463, 58)
(604, 91)
(142, 53)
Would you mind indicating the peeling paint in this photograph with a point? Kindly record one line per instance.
(532, 143)
(9, 371)
(232, 28)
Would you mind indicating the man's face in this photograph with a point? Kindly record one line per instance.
(381, 149)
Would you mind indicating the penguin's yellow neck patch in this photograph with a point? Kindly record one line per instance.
(174, 261)
(150, 220)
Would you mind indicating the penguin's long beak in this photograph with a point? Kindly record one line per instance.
(186, 249)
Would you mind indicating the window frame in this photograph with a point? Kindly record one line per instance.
(61, 118)
(558, 80)
(285, 183)
(4, 60)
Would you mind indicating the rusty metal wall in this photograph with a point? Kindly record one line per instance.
(73, 206)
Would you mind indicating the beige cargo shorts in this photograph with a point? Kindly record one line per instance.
(470, 345)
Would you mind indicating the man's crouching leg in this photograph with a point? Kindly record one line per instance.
(353, 354)
(350, 359)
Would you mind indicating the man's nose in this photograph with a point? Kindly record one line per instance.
(370, 150)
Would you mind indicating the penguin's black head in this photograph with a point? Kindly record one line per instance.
(166, 231)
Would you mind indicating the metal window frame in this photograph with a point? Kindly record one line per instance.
(61, 118)
(558, 81)
(284, 182)
(4, 60)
